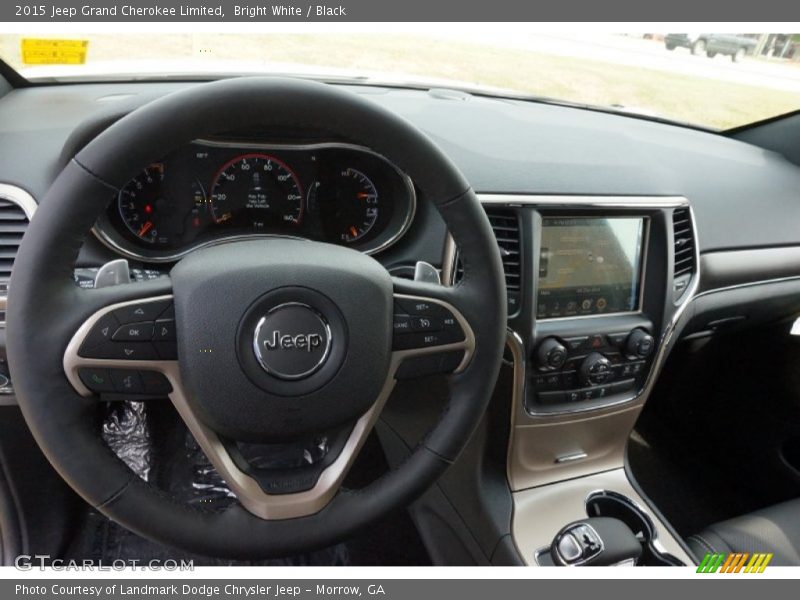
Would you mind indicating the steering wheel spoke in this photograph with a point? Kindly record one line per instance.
(283, 493)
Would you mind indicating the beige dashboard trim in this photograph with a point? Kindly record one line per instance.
(539, 513)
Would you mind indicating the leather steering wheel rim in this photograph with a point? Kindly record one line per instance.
(46, 308)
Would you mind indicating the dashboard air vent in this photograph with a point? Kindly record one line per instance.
(13, 223)
(505, 224)
(506, 229)
(684, 252)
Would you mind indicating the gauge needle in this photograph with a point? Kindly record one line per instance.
(353, 231)
(145, 228)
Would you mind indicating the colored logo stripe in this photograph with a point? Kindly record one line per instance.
(734, 562)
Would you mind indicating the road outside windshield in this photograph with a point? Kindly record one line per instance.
(711, 80)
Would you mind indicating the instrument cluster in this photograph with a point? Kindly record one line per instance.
(213, 191)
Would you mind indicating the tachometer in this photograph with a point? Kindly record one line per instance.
(150, 214)
(256, 191)
(348, 204)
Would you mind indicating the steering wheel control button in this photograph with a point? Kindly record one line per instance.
(134, 332)
(155, 383)
(402, 324)
(430, 325)
(124, 351)
(142, 311)
(164, 330)
(426, 324)
(127, 382)
(97, 380)
(292, 341)
(102, 332)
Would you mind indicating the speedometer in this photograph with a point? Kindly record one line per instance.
(256, 191)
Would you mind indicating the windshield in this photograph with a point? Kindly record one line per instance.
(716, 81)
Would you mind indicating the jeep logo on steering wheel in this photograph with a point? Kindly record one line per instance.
(292, 341)
(302, 341)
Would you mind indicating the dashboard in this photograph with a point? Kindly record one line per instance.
(211, 191)
(564, 188)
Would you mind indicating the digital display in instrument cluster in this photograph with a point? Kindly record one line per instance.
(209, 191)
(590, 266)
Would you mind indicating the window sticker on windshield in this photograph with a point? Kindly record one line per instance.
(53, 52)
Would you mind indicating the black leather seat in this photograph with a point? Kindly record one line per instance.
(775, 529)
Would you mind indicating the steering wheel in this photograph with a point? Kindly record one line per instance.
(259, 341)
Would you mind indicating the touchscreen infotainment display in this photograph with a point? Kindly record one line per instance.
(589, 266)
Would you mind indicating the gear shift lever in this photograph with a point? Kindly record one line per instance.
(596, 541)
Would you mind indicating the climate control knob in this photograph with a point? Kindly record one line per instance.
(551, 354)
(639, 344)
(595, 369)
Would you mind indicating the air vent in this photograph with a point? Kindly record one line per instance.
(684, 263)
(13, 223)
(506, 229)
(505, 224)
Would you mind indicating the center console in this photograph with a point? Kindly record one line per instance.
(596, 286)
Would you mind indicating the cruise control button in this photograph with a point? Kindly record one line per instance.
(407, 341)
(97, 380)
(142, 311)
(425, 324)
(416, 307)
(127, 382)
(155, 383)
(402, 324)
(102, 332)
(134, 332)
(164, 330)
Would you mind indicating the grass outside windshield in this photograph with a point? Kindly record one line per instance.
(635, 73)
